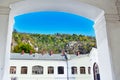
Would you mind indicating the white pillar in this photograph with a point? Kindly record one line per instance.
(113, 27)
(4, 55)
(104, 59)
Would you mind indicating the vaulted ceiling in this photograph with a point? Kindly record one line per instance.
(109, 6)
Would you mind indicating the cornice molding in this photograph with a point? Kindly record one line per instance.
(4, 10)
(118, 8)
(112, 17)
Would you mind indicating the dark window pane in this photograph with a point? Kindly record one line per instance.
(60, 70)
(74, 70)
(89, 70)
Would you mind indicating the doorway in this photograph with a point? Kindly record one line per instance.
(96, 71)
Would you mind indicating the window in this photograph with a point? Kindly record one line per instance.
(13, 78)
(89, 70)
(24, 70)
(37, 70)
(60, 70)
(50, 70)
(13, 70)
(74, 70)
(82, 70)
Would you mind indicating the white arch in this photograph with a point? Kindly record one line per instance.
(70, 6)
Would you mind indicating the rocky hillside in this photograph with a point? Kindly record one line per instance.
(42, 43)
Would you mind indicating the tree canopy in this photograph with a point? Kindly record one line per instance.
(57, 42)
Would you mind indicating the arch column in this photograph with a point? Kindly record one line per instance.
(103, 48)
(4, 56)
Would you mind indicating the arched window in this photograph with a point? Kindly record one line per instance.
(37, 70)
(50, 70)
(82, 70)
(74, 70)
(60, 70)
(12, 69)
(23, 70)
(96, 71)
(89, 70)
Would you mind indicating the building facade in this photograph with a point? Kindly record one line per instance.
(52, 67)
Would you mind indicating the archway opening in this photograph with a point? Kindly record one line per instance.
(96, 71)
(90, 12)
(45, 31)
(52, 30)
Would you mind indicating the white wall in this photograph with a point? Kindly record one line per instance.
(44, 63)
(3, 40)
(78, 62)
(112, 29)
(93, 59)
(103, 50)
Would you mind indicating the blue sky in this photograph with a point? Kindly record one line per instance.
(51, 22)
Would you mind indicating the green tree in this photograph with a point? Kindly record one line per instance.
(23, 46)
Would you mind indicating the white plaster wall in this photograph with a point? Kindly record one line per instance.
(78, 62)
(93, 59)
(112, 29)
(104, 56)
(45, 64)
(109, 6)
(4, 58)
(4, 18)
(85, 10)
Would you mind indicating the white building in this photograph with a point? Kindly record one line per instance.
(51, 67)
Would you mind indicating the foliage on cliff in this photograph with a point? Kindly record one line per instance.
(43, 43)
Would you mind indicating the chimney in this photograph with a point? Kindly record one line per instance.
(51, 52)
(22, 52)
(63, 52)
(30, 52)
(78, 53)
(43, 51)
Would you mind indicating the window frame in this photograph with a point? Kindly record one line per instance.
(89, 70)
(73, 71)
(60, 69)
(82, 70)
(11, 68)
(24, 68)
(39, 70)
(50, 70)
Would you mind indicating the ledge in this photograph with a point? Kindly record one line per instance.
(4, 10)
(112, 17)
